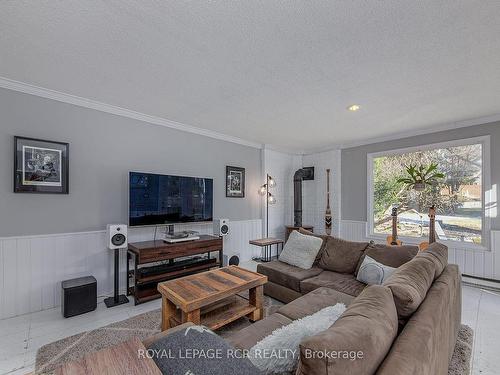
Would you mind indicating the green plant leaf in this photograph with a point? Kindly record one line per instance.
(421, 174)
(430, 169)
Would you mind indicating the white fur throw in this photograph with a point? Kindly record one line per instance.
(301, 250)
(278, 353)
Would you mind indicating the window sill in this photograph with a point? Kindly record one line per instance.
(416, 241)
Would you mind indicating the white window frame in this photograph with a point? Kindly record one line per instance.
(489, 196)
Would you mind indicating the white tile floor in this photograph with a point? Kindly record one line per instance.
(20, 337)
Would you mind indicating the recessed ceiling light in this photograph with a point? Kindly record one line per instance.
(354, 107)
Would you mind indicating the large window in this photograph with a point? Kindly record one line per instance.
(458, 196)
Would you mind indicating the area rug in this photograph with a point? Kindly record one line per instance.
(147, 324)
(52, 355)
(461, 359)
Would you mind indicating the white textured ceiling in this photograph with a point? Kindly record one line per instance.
(278, 72)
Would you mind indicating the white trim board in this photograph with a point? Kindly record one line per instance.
(26, 88)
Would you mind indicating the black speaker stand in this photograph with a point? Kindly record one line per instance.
(116, 299)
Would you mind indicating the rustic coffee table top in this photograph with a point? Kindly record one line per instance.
(199, 290)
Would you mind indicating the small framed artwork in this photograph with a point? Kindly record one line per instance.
(235, 182)
(40, 166)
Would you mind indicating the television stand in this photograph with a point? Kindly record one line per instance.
(156, 261)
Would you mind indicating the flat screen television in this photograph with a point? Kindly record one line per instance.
(162, 199)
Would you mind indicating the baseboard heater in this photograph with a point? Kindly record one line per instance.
(483, 282)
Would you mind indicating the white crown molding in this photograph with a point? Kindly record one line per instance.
(284, 150)
(409, 134)
(26, 88)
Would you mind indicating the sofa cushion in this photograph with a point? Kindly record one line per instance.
(286, 274)
(323, 237)
(341, 255)
(409, 284)
(438, 254)
(368, 326)
(339, 281)
(301, 250)
(251, 335)
(280, 292)
(392, 256)
(427, 342)
(313, 302)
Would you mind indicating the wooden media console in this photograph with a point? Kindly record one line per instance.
(158, 261)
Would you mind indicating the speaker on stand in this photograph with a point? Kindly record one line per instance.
(116, 235)
(221, 227)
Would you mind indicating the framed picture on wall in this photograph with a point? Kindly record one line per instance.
(40, 166)
(235, 182)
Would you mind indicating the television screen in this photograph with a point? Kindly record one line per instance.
(159, 199)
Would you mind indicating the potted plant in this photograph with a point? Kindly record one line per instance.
(419, 177)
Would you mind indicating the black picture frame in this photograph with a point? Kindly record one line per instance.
(41, 166)
(235, 182)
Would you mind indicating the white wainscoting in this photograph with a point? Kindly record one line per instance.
(314, 192)
(474, 262)
(32, 267)
(353, 230)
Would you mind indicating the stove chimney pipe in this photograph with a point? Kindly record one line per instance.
(306, 173)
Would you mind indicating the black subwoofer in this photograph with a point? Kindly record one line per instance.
(78, 296)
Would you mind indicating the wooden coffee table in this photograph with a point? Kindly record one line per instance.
(210, 298)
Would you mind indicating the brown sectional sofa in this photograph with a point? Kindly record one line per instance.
(286, 282)
(408, 325)
(379, 320)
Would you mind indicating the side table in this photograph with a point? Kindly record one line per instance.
(266, 245)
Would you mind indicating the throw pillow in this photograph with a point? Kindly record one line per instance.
(341, 256)
(198, 350)
(372, 272)
(409, 284)
(279, 352)
(392, 256)
(323, 237)
(300, 250)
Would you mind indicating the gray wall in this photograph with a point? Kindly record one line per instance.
(103, 149)
(354, 168)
